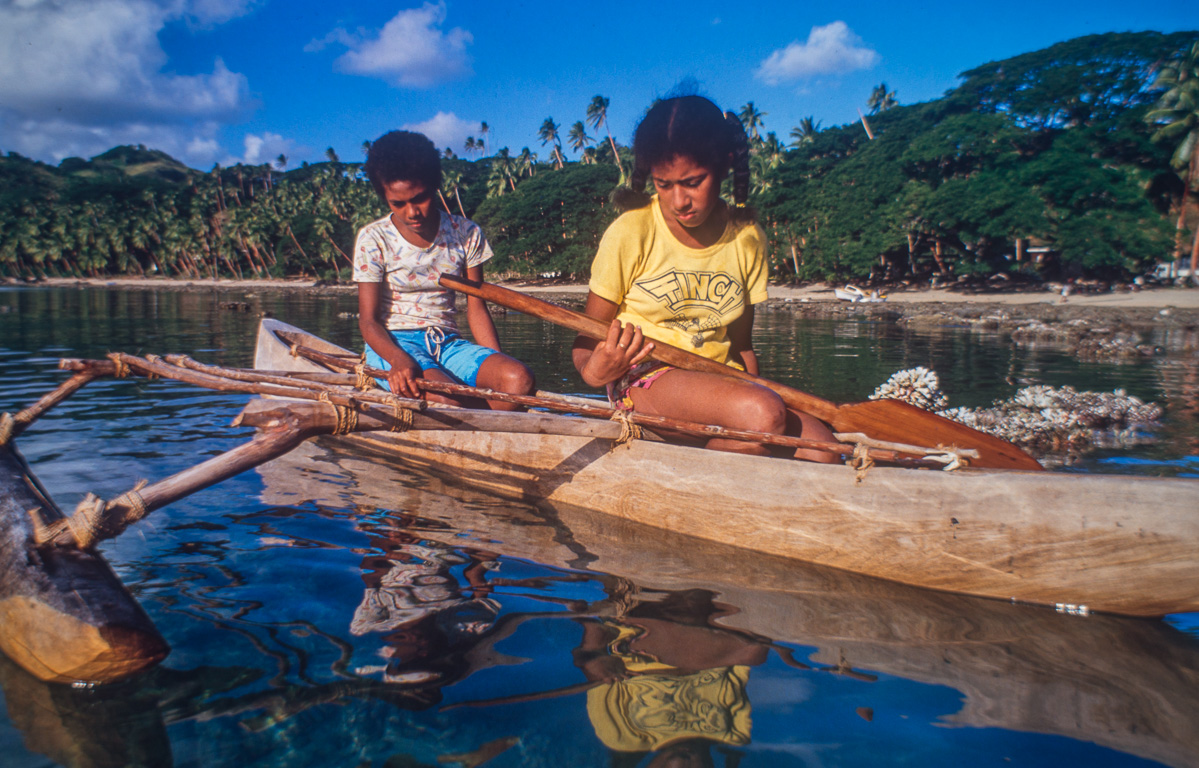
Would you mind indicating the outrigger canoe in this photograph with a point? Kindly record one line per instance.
(1082, 543)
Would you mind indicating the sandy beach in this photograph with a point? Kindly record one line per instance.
(1161, 298)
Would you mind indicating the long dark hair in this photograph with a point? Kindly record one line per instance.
(693, 127)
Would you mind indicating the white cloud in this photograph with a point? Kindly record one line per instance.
(445, 129)
(210, 12)
(79, 76)
(52, 140)
(265, 148)
(410, 51)
(830, 50)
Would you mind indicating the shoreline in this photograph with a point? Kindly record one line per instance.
(818, 293)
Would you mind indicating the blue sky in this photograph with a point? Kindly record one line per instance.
(246, 80)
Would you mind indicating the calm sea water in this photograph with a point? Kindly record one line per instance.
(327, 611)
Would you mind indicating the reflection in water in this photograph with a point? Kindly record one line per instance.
(427, 619)
(667, 677)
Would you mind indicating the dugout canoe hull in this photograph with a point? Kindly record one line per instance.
(1117, 544)
(64, 615)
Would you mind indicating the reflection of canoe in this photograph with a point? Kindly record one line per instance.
(1111, 543)
(64, 615)
(1127, 684)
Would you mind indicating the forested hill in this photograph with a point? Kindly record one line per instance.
(1077, 160)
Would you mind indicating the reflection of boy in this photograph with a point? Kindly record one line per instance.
(415, 599)
(407, 319)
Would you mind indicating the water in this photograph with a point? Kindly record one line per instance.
(330, 611)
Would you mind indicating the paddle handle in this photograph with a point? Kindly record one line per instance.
(663, 352)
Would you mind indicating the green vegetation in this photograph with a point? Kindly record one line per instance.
(1078, 160)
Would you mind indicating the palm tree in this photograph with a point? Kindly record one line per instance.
(588, 157)
(1177, 116)
(548, 133)
(366, 146)
(484, 130)
(577, 136)
(751, 118)
(503, 172)
(332, 155)
(451, 182)
(805, 132)
(763, 159)
(597, 115)
(881, 99)
(526, 162)
(470, 145)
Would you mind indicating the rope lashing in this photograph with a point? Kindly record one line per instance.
(122, 367)
(403, 417)
(94, 519)
(860, 461)
(151, 375)
(362, 380)
(295, 349)
(9, 423)
(629, 431)
(347, 416)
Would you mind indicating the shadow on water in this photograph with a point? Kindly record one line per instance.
(330, 610)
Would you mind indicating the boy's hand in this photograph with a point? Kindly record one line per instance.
(402, 378)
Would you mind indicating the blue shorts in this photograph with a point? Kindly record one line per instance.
(434, 348)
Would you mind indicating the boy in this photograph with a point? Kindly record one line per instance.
(406, 318)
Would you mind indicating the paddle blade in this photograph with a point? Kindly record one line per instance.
(904, 423)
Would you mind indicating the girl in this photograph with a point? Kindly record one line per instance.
(682, 268)
(406, 318)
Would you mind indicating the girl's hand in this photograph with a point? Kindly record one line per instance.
(612, 358)
(402, 378)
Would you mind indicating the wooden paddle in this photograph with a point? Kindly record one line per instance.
(892, 420)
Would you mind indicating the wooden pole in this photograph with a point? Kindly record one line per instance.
(11, 426)
(267, 444)
(694, 429)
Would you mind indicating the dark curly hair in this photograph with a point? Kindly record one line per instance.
(694, 127)
(403, 156)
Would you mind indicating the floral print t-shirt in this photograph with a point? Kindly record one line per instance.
(412, 297)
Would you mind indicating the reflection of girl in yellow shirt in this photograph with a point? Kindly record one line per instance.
(668, 676)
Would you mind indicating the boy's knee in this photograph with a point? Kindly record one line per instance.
(515, 378)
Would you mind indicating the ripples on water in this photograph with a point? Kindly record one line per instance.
(329, 611)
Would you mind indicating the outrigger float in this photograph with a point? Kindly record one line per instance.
(1082, 543)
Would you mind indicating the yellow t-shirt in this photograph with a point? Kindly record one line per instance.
(680, 295)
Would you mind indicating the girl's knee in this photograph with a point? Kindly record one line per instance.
(760, 410)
